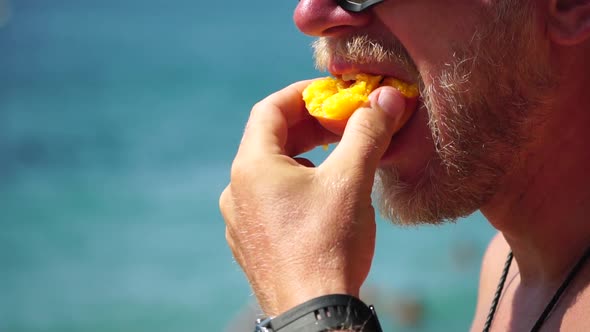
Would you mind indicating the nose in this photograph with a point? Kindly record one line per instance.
(325, 18)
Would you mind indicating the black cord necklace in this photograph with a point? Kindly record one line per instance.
(550, 305)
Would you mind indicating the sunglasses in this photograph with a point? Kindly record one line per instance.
(357, 5)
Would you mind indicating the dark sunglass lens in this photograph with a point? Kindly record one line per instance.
(357, 5)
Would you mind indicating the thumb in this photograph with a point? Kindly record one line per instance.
(368, 134)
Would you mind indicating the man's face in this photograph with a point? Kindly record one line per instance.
(483, 75)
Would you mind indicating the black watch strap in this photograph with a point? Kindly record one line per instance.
(325, 313)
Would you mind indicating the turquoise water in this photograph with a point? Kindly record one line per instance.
(118, 124)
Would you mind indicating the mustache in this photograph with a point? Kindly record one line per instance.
(360, 49)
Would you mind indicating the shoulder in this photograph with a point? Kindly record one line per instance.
(491, 270)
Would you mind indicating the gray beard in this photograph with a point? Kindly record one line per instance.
(481, 108)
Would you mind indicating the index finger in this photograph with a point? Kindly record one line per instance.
(270, 119)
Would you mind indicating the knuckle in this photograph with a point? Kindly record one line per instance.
(249, 169)
(224, 201)
(260, 109)
(239, 171)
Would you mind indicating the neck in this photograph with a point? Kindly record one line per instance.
(543, 208)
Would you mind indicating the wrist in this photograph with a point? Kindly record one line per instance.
(289, 297)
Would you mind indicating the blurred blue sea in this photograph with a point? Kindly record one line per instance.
(118, 124)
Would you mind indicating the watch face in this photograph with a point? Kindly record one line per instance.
(357, 5)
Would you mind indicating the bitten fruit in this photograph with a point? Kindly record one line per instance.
(332, 101)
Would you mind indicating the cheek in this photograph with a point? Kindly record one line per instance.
(431, 29)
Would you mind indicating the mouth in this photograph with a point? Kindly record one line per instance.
(408, 90)
(333, 100)
(411, 147)
(408, 134)
(392, 74)
(347, 70)
(352, 76)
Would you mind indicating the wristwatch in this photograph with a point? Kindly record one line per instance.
(324, 313)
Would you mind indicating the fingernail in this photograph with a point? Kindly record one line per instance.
(388, 100)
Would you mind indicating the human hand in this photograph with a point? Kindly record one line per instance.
(300, 231)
